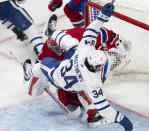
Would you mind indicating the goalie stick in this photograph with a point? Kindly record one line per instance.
(71, 114)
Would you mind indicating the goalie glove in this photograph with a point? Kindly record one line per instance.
(54, 4)
(124, 121)
(123, 47)
(106, 12)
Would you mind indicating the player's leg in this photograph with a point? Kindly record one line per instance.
(74, 11)
(23, 21)
(68, 98)
(98, 111)
(62, 39)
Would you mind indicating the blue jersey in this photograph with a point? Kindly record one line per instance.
(10, 11)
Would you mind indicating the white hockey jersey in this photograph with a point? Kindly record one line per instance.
(73, 75)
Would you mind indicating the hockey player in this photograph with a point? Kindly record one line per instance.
(113, 43)
(74, 10)
(81, 71)
(11, 12)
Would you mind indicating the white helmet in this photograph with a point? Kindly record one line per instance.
(97, 59)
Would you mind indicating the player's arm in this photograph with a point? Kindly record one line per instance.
(92, 31)
(74, 16)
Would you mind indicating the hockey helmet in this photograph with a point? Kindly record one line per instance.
(97, 59)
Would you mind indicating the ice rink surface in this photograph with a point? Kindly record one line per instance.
(44, 115)
(20, 112)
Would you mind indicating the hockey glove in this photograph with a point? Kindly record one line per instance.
(124, 121)
(121, 44)
(54, 5)
(106, 12)
(115, 38)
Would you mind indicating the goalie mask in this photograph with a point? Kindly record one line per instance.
(120, 53)
(54, 47)
(97, 59)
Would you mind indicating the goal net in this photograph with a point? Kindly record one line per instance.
(136, 65)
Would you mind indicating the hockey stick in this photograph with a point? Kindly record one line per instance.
(16, 58)
(71, 114)
(112, 2)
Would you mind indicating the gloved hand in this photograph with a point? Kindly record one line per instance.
(123, 46)
(115, 38)
(106, 12)
(54, 4)
(124, 121)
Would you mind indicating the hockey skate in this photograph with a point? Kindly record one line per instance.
(26, 66)
(50, 25)
(20, 35)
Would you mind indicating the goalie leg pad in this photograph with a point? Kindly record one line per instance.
(37, 86)
(68, 98)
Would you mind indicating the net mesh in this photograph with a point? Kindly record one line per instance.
(135, 65)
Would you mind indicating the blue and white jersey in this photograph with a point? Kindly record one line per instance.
(72, 74)
(11, 11)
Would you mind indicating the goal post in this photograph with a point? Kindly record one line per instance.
(132, 30)
(98, 7)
